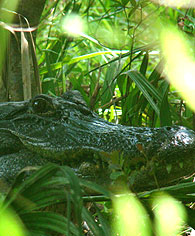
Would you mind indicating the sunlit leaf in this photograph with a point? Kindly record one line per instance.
(179, 64)
(176, 3)
(169, 215)
(10, 224)
(131, 217)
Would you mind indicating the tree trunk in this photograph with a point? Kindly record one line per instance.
(19, 78)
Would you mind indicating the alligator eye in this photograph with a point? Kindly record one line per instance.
(42, 106)
(168, 128)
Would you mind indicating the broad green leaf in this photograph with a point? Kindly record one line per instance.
(69, 61)
(48, 221)
(156, 73)
(127, 54)
(10, 224)
(95, 187)
(144, 64)
(179, 63)
(94, 54)
(142, 82)
(146, 88)
(122, 83)
(126, 207)
(20, 186)
(169, 215)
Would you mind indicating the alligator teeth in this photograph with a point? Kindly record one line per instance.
(181, 165)
(169, 167)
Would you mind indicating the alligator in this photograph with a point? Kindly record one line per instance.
(64, 130)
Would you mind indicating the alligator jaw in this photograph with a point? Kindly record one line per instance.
(59, 128)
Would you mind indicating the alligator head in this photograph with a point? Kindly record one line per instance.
(64, 128)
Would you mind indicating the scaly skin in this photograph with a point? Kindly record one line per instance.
(63, 128)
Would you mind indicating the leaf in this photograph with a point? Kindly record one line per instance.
(144, 64)
(76, 82)
(95, 187)
(10, 224)
(94, 54)
(67, 60)
(165, 114)
(109, 84)
(124, 55)
(121, 82)
(156, 73)
(20, 186)
(48, 221)
(146, 88)
(41, 199)
(180, 191)
(124, 2)
(133, 2)
(115, 175)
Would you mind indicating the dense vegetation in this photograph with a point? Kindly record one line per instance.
(117, 64)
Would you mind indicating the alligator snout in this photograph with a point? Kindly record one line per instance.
(60, 127)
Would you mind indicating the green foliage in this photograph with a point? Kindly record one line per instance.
(116, 64)
(115, 61)
(51, 200)
(54, 200)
